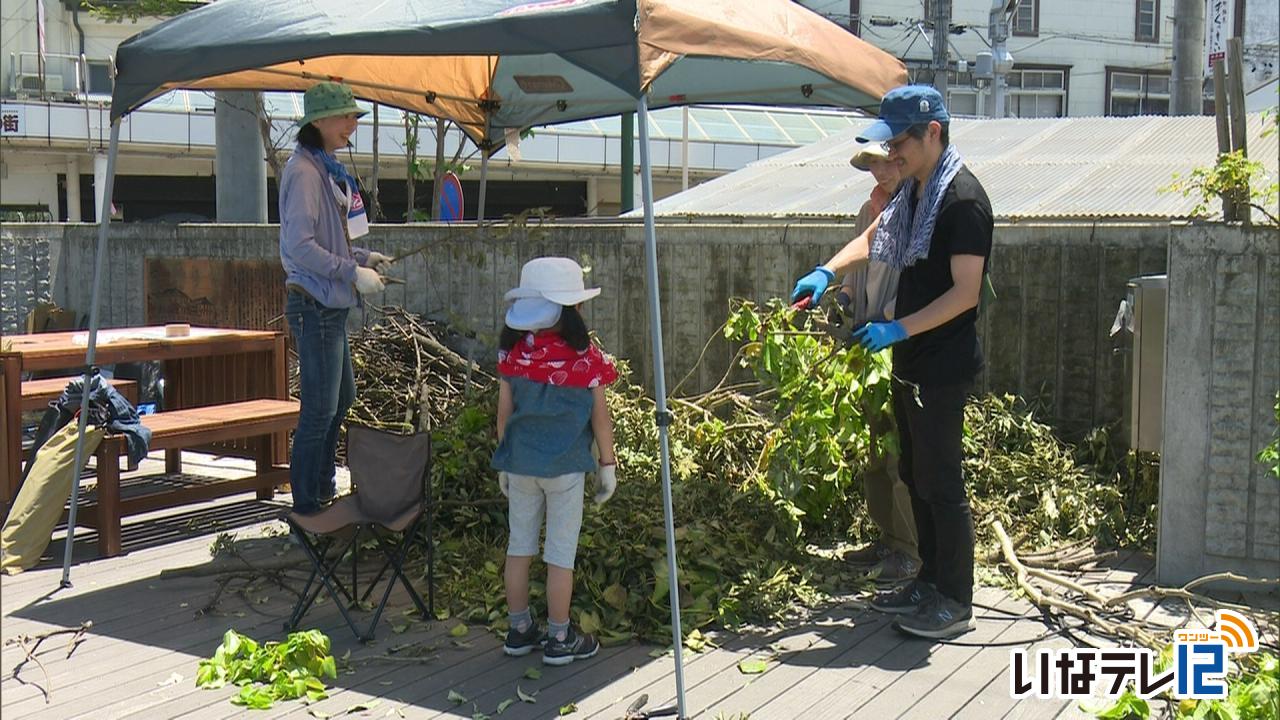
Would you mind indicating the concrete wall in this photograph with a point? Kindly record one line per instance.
(1046, 337)
(25, 272)
(1219, 510)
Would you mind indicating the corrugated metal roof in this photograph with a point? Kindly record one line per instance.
(1032, 169)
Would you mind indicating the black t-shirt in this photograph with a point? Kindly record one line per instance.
(949, 353)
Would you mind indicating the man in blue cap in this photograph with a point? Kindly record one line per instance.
(937, 231)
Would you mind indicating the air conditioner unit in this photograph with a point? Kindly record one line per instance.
(29, 85)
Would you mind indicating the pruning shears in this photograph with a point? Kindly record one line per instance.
(635, 711)
(836, 330)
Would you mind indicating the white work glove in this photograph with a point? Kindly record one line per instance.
(367, 281)
(504, 483)
(380, 262)
(606, 482)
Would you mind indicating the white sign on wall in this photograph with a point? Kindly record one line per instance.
(1219, 23)
(12, 119)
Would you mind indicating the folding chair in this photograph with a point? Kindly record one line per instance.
(389, 474)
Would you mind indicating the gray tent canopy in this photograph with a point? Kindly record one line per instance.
(496, 65)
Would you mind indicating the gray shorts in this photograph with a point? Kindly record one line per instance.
(560, 500)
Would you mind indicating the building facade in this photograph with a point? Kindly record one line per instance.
(1078, 58)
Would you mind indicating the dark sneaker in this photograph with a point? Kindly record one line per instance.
(868, 555)
(573, 647)
(519, 644)
(905, 600)
(940, 619)
(895, 569)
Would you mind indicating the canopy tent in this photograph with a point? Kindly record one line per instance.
(496, 65)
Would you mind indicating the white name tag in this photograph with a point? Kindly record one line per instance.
(357, 218)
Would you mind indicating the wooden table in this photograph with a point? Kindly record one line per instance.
(210, 366)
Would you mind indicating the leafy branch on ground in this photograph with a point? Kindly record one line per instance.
(272, 671)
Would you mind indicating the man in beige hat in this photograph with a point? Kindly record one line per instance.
(867, 295)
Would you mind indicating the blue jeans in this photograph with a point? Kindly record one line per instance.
(327, 388)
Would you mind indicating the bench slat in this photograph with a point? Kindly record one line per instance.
(37, 394)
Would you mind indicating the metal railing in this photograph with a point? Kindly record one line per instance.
(60, 76)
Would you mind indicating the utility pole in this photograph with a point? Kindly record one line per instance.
(1001, 61)
(1188, 61)
(941, 30)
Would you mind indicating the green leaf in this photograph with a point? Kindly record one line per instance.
(569, 709)
(616, 596)
(502, 706)
(459, 630)
(456, 697)
(533, 673)
(752, 666)
(590, 622)
(524, 696)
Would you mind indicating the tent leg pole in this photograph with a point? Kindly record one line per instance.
(660, 391)
(100, 257)
(484, 182)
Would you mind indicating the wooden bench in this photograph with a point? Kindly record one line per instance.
(171, 431)
(37, 394)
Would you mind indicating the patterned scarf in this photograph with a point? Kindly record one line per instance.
(544, 357)
(337, 171)
(903, 237)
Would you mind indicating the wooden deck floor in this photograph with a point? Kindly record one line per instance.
(140, 658)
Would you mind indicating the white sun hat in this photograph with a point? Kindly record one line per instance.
(556, 279)
(533, 314)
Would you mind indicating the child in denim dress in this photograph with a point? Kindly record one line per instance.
(551, 406)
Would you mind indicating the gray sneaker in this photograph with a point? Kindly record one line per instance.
(941, 618)
(895, 569)
(868, 554)
(905, 600)
(574, 646)
(519, 644)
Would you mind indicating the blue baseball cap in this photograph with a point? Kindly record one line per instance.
(903, 107)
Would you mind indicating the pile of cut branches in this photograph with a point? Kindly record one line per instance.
(408, 378)
(762, 471)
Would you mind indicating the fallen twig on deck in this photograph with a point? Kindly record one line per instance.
(1111, 616)
(30, 644)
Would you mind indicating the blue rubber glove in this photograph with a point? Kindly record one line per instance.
(876, 336)
(813, 284)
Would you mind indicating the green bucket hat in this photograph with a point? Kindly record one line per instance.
(327, 99)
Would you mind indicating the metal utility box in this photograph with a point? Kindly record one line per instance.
(1144, 411)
